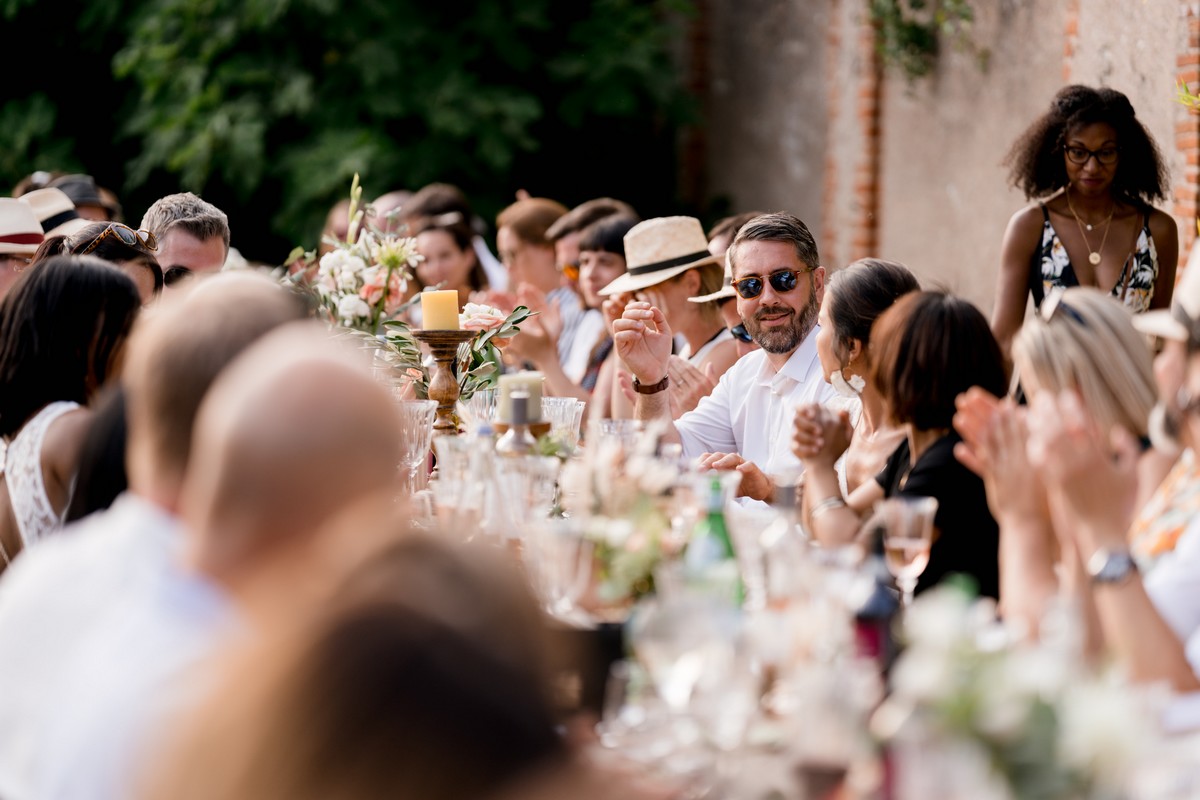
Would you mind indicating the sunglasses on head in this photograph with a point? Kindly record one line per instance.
(126, 234)
(741, 334)
(783, 280)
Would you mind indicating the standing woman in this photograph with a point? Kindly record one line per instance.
(1094, 171)
(62, 332)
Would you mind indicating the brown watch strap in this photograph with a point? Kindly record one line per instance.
(653, 388)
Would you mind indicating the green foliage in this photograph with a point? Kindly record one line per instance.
(272, 105)
(909, 32)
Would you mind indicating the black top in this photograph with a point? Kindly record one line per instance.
(967, 537)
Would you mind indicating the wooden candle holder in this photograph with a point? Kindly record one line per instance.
(443, 345)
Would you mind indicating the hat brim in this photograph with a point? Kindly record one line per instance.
(721, 294)
(69, 227)
(1160, 323)
(631, 282)
(21, 249)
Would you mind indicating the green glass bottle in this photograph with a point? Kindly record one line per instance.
(710, 561)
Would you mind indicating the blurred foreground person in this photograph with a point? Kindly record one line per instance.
(287, 434)
(62, 331)
(425, 680)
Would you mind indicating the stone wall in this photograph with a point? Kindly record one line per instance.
(913, 170)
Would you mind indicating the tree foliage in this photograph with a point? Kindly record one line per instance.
(268, 107)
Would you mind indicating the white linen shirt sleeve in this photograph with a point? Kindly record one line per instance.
(1174, 588)
(708, 428)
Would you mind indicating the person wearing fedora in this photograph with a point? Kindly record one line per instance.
(54, 211)
(20, 235)
(669, 282)
(742, 425)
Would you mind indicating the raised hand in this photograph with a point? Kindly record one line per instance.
(994, 446)
(550, 317)
(613, 307)
(1093, 472)
(819, 434)
(642, 339)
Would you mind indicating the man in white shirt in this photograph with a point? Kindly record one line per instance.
(745, 424)
(55, 599)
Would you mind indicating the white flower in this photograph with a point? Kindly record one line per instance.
(924, 676)
(938, 619)
(1004, 701)
(393, 251)
(352, 307)
(1103, 729)
(479, 317)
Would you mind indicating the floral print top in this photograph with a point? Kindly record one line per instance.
(1135, 287)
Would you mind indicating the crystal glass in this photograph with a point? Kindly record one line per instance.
(559, 554)
(564, 415)
(481, 408)
(416, 435)
(680, 638)
(623, 431)
(907, 527)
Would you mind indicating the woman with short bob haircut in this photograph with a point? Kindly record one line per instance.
(62, 332)
(926, 350)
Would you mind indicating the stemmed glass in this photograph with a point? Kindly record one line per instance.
(907, 524)
(564, 415)
(416, 435)
(482, 407)
(561, 556)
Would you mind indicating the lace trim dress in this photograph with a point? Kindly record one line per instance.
(1135, 286)
(23, 474)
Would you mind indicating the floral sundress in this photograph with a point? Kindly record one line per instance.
(1135, 286)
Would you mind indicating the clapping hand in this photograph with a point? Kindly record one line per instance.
(820, 435)
(994, 447)
(550, 317)
(1092, 473)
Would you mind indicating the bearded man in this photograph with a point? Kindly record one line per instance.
(745, 423)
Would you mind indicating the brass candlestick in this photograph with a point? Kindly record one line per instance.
(444, 386)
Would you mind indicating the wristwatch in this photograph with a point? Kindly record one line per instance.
(653, 388)
(1111, 566)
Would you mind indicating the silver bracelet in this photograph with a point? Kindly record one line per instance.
(828, 504)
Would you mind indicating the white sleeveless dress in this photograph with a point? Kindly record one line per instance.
(23, 474)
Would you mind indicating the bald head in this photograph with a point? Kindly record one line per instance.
(291, 433)
(175, 353)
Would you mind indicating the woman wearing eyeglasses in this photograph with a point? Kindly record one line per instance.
(1093, 170)
(132, 251)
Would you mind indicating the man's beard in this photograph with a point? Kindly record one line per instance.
(784, 338)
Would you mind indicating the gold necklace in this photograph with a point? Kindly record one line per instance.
(1093, 257)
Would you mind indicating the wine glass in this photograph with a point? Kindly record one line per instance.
(564, 415)
(481, 408)
(416, 435)
(907, 526)
(561, 556)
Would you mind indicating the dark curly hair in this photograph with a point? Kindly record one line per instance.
(1036, 158)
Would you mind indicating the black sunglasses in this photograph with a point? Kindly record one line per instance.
(781, 281)
(741, 334)
(126, 234)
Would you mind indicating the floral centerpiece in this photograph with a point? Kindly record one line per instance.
(360, 287)
(976, 713)
(624, 492)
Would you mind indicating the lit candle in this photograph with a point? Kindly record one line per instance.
(439, 310)
(529, 382)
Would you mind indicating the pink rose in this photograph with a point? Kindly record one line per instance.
(478, 317)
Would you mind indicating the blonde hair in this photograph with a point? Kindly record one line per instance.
(1089, 345)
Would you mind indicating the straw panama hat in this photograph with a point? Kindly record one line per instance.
(1182, 320)
(20, 231)
(661, 248)
(54, 211)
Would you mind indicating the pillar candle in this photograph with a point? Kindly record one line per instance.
(529, 382)
(439, 310)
